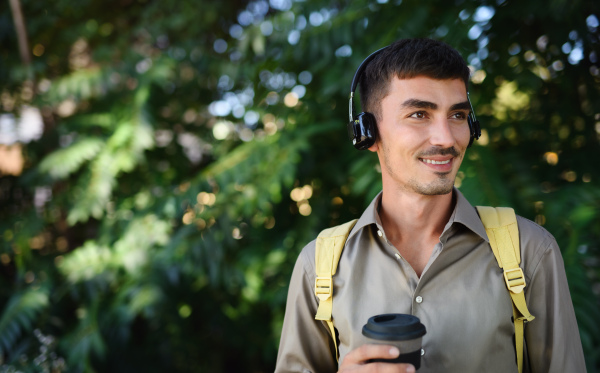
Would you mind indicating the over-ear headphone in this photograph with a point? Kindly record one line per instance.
(362, 128)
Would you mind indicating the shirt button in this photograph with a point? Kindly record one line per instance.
(419, 299)
(422, 352)
(397, 256)
(379, 233)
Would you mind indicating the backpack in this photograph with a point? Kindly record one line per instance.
(503, 232)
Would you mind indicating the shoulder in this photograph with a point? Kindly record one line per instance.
(306, 259)
(531, 231)
(536, 242)
(330, 235)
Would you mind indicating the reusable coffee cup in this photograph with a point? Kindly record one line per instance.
(403, 331)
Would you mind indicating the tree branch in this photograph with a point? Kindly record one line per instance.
(15, 6)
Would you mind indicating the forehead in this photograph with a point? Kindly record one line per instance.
(425, 88)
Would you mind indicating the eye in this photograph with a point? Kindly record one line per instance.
(418, 115)
(459, 115)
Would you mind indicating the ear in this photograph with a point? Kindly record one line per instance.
(375, 147)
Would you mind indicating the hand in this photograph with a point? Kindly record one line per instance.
(356, 360)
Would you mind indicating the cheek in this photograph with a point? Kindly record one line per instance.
(463, 135)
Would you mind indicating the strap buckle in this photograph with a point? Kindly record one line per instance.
(323, 287)
(515, 279)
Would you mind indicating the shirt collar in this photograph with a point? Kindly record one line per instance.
(467, 215)
(464, 213)
(369, 216)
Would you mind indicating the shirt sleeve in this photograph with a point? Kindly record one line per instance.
(552, 339)
(306, 344)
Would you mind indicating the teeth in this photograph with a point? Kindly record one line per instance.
(436, 162)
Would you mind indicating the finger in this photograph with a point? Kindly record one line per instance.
(370, 351)
(389, 368)
(378, 368)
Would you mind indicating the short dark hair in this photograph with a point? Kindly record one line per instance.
(405, 59)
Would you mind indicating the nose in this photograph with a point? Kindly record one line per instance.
(442, 133)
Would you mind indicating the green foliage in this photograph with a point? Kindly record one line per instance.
(19, 314)
(64, 162)
(191, 149)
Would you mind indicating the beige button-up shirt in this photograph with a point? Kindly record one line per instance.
(460, 297)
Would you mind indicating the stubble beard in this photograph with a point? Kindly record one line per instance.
(440, 186)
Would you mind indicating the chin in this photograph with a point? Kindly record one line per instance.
(436, 191)
(438, 188)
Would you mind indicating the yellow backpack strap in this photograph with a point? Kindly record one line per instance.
(503, 232)
(330, 244)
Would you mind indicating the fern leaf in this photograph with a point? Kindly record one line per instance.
(19, 315)
(64, 162)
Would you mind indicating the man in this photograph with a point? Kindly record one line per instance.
(420, 248)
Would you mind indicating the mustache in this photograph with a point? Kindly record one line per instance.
(439, 151)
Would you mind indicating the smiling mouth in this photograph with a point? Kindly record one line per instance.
(431, 161)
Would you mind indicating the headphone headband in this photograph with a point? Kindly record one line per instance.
(356, 77)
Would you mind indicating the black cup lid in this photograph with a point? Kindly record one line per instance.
(393, 327)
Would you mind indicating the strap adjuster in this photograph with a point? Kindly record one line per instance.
(515, 279)
(323, 287)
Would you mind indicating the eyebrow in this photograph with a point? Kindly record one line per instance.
(413, 103)
(465, 105)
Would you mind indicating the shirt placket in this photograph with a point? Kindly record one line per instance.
(412, 277)
(416, 283)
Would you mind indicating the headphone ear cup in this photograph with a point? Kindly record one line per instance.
(474, 130)
(364, 131)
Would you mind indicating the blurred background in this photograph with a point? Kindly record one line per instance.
(162, 163)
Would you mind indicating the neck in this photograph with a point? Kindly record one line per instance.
(406, 215)
(414, 223)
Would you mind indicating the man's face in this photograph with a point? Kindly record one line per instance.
(422, 134)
